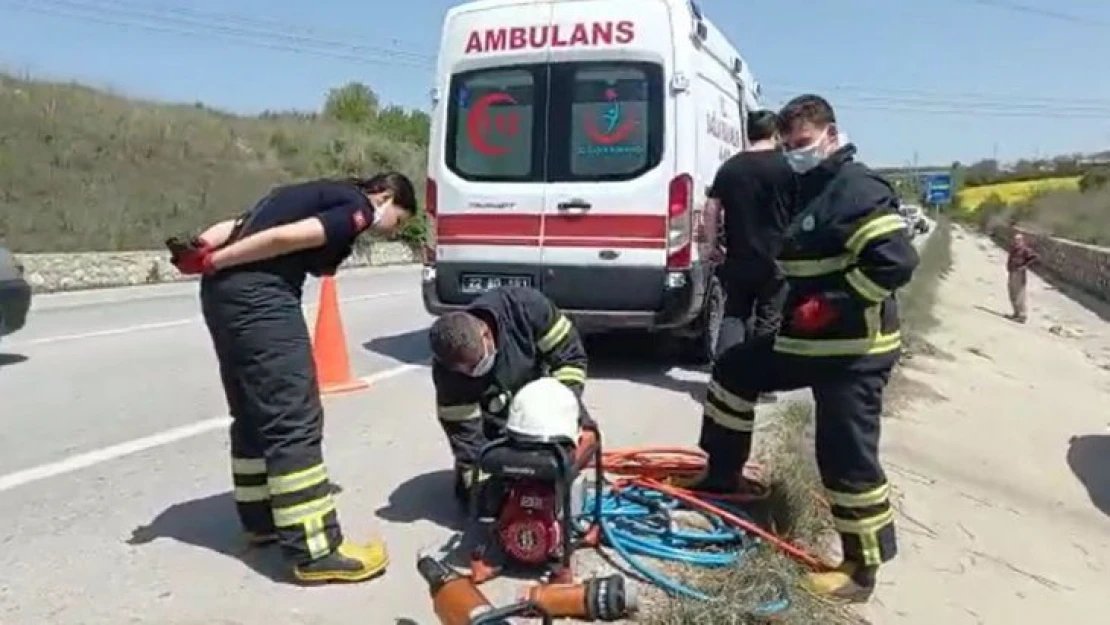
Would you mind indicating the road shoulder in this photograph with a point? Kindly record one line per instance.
(998, 482)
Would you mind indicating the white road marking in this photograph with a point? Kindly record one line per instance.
(161, 325)
(160, 439)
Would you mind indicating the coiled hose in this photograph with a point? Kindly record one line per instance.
(638, 520)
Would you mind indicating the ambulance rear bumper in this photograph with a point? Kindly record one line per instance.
(682, 300)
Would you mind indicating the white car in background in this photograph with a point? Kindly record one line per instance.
(914, 216)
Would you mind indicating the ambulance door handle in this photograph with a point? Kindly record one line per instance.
(575, 204)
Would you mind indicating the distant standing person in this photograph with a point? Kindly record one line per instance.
(755, 193)
(1017, 265)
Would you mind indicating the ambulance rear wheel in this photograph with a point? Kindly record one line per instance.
(701, 348)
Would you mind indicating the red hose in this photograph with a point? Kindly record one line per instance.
(653, 467)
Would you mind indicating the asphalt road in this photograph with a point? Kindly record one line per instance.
(114, 485)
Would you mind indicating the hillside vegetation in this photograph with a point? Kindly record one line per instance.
(1079, 211)
(85, 170)
(971, 198)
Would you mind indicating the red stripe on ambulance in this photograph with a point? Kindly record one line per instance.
(627, 231)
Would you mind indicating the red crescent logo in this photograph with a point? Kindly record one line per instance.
(478, 124)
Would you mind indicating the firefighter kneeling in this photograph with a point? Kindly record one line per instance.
(485, 354)
(844, 256)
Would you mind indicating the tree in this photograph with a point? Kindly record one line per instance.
(353, 103)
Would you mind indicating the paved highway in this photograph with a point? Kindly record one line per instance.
(114, 484)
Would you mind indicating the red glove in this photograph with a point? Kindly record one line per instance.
(195, 260)
(813, 314)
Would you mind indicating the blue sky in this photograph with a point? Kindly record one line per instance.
(931, 80)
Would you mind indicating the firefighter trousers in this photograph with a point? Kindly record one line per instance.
(753, 306)
(848, 420)
(281, 484)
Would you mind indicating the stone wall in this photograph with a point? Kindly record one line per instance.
(1077, 264)
(71, 272)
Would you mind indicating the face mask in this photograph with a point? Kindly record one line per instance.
(805, 159)
(484, 365)
(380, 210)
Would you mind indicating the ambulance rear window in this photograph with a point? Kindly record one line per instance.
(588, 121)
(491, 125)
(615, 131)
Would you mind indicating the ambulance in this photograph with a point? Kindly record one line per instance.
(572, 145)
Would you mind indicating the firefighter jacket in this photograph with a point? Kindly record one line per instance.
(533, 339)
(849, 248)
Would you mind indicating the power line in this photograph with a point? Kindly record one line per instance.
(950, 106)
(967, 96)
(255, 37)
(254, 21)
(266, 34)
(1036, 11)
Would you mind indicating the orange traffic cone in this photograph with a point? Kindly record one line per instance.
(329, 347)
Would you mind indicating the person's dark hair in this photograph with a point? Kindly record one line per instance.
(404, 193)
(806, 108)
(456, 337)
(762, 125)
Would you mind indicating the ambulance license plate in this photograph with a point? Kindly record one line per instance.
(480, 283)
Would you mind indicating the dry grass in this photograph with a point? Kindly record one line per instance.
(799, 515)
(797, 507)
(917, 302)
(85, 170)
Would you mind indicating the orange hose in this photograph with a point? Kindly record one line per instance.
(653, 467)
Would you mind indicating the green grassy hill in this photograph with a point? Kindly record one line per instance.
(85, 170)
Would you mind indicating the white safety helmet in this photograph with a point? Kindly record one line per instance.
(544, 411)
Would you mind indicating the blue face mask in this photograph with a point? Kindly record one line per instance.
(804, 159)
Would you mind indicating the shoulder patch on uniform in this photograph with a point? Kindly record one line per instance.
(361, 220)
(809, 223)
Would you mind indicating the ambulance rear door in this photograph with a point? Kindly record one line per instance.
(610, 155)
(489, 172)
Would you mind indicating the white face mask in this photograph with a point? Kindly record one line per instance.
(804, 159)
(484, 365)
(380, 210)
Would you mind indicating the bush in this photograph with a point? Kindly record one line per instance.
(85, 170)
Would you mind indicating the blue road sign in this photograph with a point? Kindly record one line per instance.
(938, 188)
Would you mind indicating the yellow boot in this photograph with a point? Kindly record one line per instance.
(848, 583)
(351, 562)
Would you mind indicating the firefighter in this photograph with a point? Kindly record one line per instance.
(483, 355)
(254, 269)
(844, 256)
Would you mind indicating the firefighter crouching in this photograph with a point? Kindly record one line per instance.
(253, 271)
(845, 254)
(484, 355)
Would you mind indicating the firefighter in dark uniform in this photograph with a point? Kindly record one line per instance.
(483, 355)
(845, 254)
(254, 269)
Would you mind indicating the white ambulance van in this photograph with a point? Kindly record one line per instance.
(572, 145)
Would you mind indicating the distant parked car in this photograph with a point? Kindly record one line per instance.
(15, 293)
(915, 220)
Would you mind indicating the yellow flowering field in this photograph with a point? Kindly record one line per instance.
(1011, 192)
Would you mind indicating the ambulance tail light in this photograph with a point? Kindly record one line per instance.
(680, 211)
(431, 207)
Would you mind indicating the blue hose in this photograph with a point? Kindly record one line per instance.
(636, 522)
